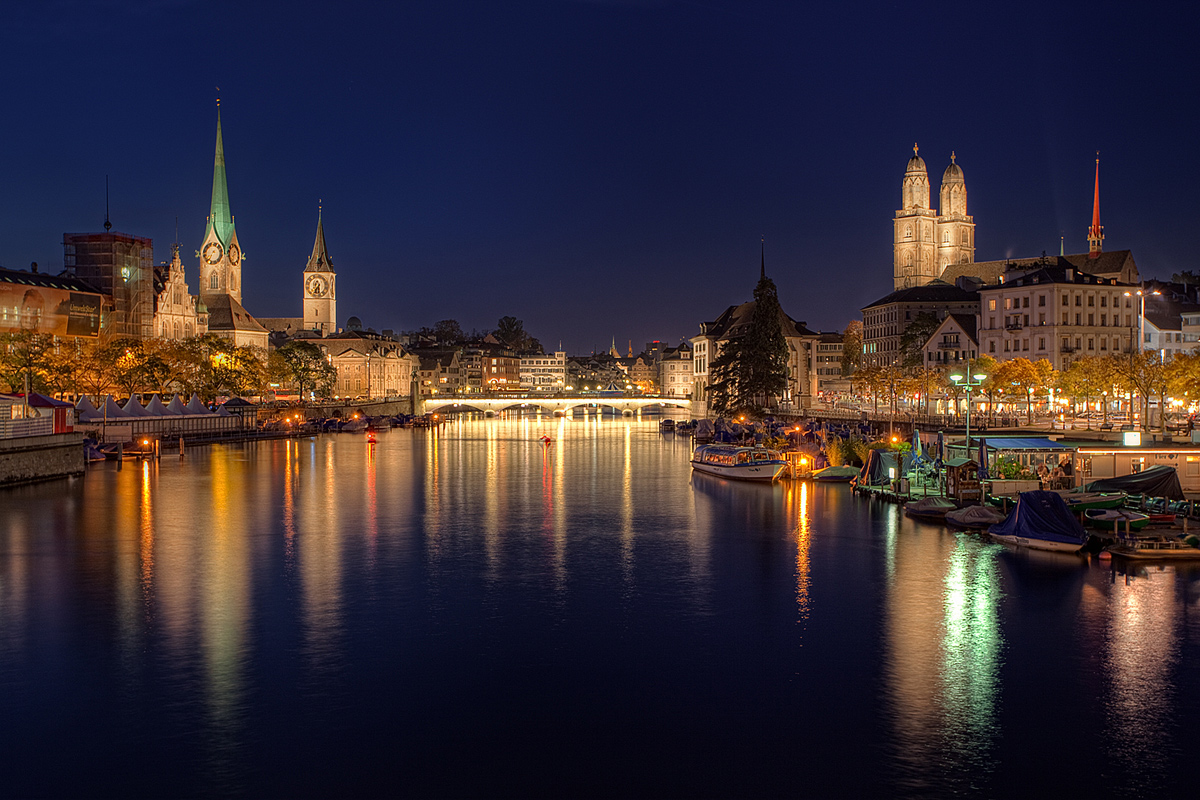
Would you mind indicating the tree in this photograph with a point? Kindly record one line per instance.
(1145, 374)
(1187, 276)
(448, 331)
(510, 331)
(23, 359)
(852, 344)
(926, 381)
(751, 369)
(1026, 377)
(1183, 375)
(306, 367)
(912, 341)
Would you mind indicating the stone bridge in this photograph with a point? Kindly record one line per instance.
(551, 403)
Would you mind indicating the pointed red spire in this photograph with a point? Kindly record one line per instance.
(1096, 232)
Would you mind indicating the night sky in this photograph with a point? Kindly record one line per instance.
(598, 169)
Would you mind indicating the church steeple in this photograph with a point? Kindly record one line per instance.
(219, 218)
(1096, 232)
(319, 261)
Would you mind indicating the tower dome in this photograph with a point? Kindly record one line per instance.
(915, 188)
(953, 173)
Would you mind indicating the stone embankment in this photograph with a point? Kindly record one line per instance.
(29, 459)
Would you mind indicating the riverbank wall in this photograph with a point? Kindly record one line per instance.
(29, 459)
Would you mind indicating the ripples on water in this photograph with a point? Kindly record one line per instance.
(466, 612)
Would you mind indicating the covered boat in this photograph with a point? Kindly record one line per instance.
(738, 463)
(1157, 481)
(1158, 548)
(835, 474)
(883, 467)
(1115, 519)
(1042, 521)
(929, 509)
(977, 517)
(1082, 501)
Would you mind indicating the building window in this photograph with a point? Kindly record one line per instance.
(1041, 343)
(1079, 319)
(1091, 319)
(1041, 299)
(213, 281)
(1091, 300)
(1024, 302)
(1103, 301)
(1091, 344)
(1078, 300)
(992, 304)
(1066, 300)
(991, 347)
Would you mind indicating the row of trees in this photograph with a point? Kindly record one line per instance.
(509, 331)
(206, 365)
(1093, 379)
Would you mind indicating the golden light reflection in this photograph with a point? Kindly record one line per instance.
(627, 506)
(1142, 651)
(146, 549)
(802, 534)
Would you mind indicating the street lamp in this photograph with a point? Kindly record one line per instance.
(1141, 315)
(969, 381)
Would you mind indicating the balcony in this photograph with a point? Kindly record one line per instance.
(1013, 326)
(948, 346)
(1068, 349)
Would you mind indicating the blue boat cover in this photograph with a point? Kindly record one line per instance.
(1042, 515)
(876, 472)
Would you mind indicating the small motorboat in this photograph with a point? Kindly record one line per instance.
(1157, 547)
(836, 474)
(974, 517)
(1115, 519)
(929, 509)
(1082, 501)
(667, 425)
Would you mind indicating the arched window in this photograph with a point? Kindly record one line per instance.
(928, 233)
(966, 239)
(945, 237)
(908, 259)
(178, 331)
(187, 330)
(213, 281)
(233, 281)
(908, 231)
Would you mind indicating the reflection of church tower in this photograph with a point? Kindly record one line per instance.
(914, 250)
(955, 230)
(220, 255)
(320, 297)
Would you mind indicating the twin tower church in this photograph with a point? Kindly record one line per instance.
(926, 242)
(221, 260)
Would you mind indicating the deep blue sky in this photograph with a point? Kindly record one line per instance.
(598, 169)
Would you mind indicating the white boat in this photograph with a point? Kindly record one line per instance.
(738, 463)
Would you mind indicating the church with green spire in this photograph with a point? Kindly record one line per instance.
(221, 260)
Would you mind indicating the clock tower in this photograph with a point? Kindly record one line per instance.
(320, 295)
(220, 254)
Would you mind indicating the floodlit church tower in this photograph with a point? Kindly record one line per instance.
(320, 297)
(955, 230)
(914, 249)
(1096, 232)
(220, 254)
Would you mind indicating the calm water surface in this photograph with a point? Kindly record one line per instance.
(464, 612)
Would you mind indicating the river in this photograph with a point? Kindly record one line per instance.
(467, 612)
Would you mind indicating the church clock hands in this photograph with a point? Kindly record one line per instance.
(235, 255)
(212, 252)
(317, 286)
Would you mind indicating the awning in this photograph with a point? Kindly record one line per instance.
(1025, 443)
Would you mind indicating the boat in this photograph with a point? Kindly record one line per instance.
(1115, 519)
(1082, 501)
(1157, 547)
(977, 517)
(836, 474)
(738, 463)
(929, 509)
(356, 425)
(667, 425)
(1042, 521)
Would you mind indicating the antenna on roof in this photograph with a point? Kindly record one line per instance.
(107, 224)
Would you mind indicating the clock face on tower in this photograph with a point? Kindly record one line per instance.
(235, 255)
(213, 252)
(317, 286)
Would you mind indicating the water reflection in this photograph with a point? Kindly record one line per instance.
(1142, 651)
(943, 655)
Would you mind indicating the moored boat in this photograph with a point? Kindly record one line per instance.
(929, 509)
(667, 425)
(836, 474)
(1157, 547)
(1082, 501)
(1118, 519)
(974, 517)
(1041, 521)
(738, 463)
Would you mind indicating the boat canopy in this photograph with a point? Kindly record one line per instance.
(1160, 480)
(1042, 515)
